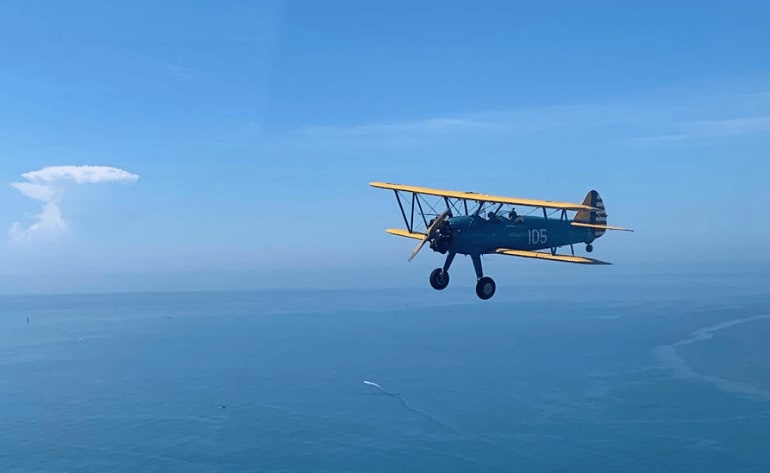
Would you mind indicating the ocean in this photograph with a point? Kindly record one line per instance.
(656, 372)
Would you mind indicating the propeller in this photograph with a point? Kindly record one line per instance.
(433, 226)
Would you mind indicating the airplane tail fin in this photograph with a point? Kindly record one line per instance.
(593, 217)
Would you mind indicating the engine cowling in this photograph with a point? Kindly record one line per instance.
(441, 237)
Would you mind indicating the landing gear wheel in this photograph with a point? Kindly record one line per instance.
(589, 247)
(439, 279)
(485, 288)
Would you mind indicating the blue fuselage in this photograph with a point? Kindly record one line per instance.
(476, 235)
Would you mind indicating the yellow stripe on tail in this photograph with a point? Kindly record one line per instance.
(593, 217)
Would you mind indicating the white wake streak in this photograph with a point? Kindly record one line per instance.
(409, 406)
(670, 357)
(369, 383)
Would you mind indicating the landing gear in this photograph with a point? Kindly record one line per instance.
(485, 288)
(439, 279)
(589, 247)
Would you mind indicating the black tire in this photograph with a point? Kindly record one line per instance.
(589, 247)
(439, 279)
(485, 288)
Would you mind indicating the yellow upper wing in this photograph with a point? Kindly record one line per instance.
(483, 197)
(549, 256)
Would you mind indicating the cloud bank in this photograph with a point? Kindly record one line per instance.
(47, 185)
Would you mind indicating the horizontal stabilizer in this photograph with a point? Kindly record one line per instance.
(405, 233)
(549, 256)
(599, 227)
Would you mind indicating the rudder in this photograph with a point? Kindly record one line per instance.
(596, 217)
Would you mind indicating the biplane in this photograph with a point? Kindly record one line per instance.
(473, 224)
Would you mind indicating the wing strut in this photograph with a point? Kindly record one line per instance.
(422, 212)
(403, 213)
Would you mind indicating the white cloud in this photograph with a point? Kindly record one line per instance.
(49, 221)
(427, 126)
(720, 128)
(35, 191)
(480, 125)
(48, 185)
(717, 111)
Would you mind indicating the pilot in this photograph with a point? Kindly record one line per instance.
(512, 215)
(492, 216)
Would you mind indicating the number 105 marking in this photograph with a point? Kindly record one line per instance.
(537, 236)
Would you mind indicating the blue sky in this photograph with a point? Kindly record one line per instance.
(255, 127)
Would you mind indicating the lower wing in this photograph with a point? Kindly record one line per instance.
(405, 233)
(549, 256)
